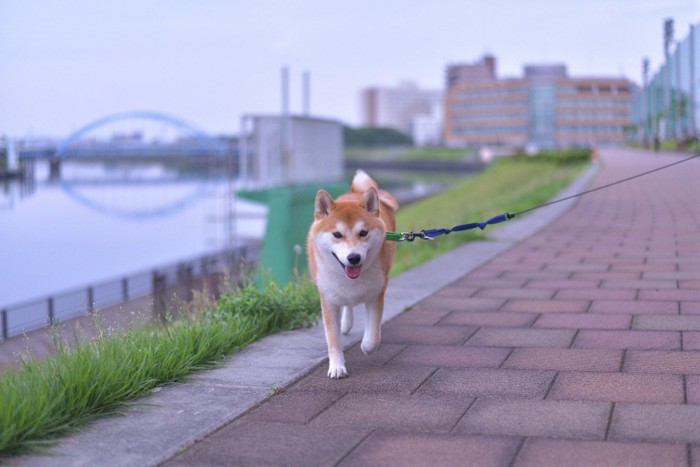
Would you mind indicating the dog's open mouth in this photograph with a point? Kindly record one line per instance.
(352, 272)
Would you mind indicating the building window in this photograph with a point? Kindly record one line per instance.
(542, 100)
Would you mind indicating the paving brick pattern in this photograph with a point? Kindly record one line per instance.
(578, 346)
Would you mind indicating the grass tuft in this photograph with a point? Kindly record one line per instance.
(46, 399)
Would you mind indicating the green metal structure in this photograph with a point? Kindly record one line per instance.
(290, 213)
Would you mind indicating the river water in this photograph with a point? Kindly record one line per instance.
(102, 221)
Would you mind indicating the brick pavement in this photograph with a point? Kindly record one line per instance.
(578, 346)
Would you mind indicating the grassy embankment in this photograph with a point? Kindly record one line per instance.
(510, 184)
(45, 399)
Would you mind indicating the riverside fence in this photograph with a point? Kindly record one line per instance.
(174, 279)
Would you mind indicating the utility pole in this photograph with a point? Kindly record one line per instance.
(677, 97)
(285, 127)
(691, 93)
(306, 92)
(284, 80)
(668, 39)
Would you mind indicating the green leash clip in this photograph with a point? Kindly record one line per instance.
(394, 236)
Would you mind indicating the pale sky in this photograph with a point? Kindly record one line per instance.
(66, 63)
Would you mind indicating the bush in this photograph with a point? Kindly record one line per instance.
(367, 137)
(564, 156)
(272, 307)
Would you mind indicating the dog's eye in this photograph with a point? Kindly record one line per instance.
(363, 233)
(337, 235)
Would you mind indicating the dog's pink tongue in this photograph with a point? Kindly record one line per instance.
(353, 272)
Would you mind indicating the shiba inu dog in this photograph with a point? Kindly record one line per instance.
(350, 260)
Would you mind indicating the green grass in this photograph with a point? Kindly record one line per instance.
(46, 399)
(510, 184)
(673, 145)
(668, 145)
(408, 153)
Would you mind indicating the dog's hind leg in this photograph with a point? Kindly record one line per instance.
(373, 325)
(346, 320)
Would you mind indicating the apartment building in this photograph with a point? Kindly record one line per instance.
(544, 108)
(406, 108)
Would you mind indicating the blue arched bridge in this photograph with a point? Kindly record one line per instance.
(193, 141)
(83, 143)
(152, 163)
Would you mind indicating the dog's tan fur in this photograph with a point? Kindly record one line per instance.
(360, 218)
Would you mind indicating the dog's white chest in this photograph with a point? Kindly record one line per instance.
(341, 291)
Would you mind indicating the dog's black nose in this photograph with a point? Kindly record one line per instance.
(354, 258)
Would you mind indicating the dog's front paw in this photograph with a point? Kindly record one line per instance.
(337, 371)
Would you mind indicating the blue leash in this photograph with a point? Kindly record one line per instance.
(430, 234)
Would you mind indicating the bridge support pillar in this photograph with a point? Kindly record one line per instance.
(290, 213)
(54, 168)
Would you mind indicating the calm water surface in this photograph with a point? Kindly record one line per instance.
(100, 222)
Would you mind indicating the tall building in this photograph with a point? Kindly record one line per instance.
(544, 108)
(405, 108)
(668, 105)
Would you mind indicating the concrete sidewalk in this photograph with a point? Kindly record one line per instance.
(580, 344)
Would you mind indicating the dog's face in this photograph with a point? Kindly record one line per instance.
(348, 233)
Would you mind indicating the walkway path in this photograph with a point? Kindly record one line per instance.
(578, 346)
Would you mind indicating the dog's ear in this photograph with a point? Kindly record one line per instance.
(371, 201)
(324, 204)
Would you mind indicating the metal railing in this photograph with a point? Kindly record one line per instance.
(179, 277)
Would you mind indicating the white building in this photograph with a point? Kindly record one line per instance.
(281, 150)
(426, 130)
(405, 108)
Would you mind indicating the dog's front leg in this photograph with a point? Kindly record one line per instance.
(373, 325)
(331, 323)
